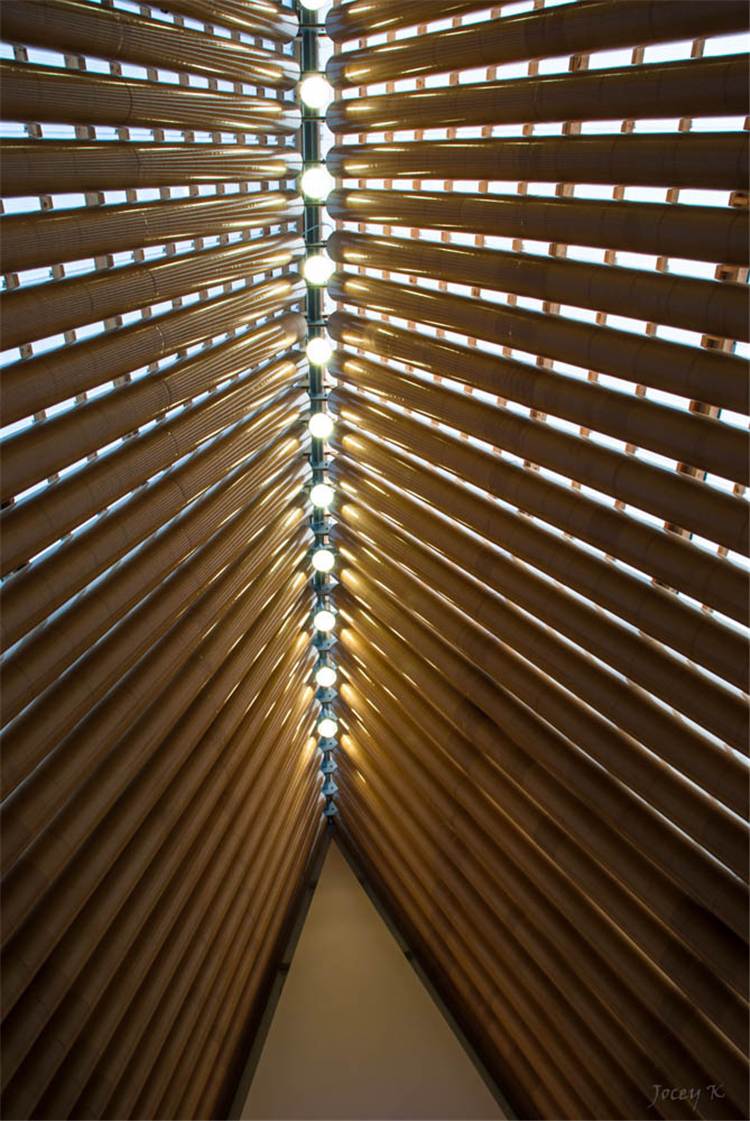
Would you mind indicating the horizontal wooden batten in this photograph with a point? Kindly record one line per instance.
(666, 494)
(431, 751)
(363, 17)
(646, 722)
(41, 660)
(701, 375)
(33, 313)
(711, 87)
(64, 97)
(591, 26)
(36, 383)
(697, 305)
(476, 659)
(686, 437)
(713, 233)
(82, 558)
(71, 165)
(645, 605)
(33, 240)
(46, 447)
(712, 161)
(373, 614)
(182, 769)
(267, 19)
(236, 598)
(117, 35)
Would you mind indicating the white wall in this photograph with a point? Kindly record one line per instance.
(355, 1034)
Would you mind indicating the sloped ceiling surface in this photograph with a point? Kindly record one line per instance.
(542, 455)
(161, 790)
(541, 528)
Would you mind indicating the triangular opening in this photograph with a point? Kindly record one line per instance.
(355, 1033)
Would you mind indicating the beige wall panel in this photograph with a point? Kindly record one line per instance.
(355, 1034)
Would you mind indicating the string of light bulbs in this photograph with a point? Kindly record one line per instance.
(315, 183)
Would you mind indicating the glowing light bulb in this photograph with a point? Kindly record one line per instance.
(324, 620)
(316, 183)
(320, 425)
(322, 495)
(325, 677)
(315, 91)
(318, 350)
(318, 269)
(327, 727)
(323, 560)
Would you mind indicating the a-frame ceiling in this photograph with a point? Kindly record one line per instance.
(540, 526)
